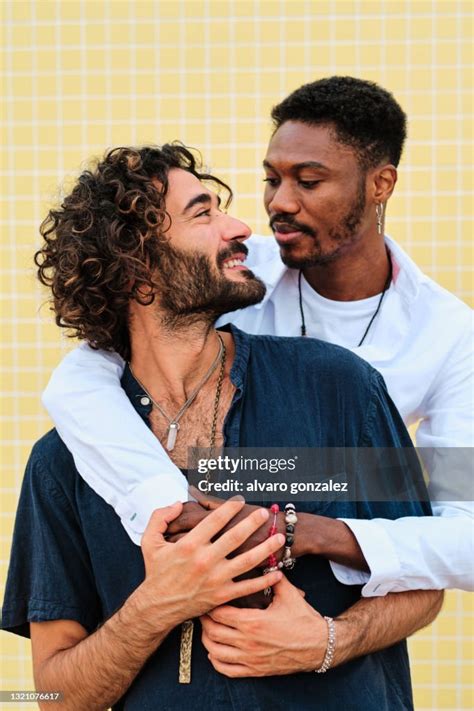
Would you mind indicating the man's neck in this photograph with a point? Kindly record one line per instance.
(358, 274)
(172, 362)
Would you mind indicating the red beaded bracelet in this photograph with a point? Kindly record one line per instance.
(288, 561)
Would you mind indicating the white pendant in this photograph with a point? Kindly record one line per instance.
(172, 434)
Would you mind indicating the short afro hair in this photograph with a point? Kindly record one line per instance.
(363, 115)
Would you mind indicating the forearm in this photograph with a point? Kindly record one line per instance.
(409, 553)
(376, 623)
(330, 538)
(134, 482)
(94, 673)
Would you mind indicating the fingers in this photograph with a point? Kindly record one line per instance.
(255, 556)
(231, 591)
(209, 502)
(229, 615)
(191, 515)
(219, 633)
(159, 522)
(216, 521)
(286, 589)
(238, 534)
(223, 652)
(230, 670)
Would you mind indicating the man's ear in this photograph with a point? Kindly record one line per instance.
(382, 183)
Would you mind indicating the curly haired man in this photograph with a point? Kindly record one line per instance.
(141, 260)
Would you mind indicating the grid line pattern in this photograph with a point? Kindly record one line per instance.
(82, 75)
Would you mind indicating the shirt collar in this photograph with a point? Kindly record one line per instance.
(141, 401)
(407, 276)
(137, 396)
(242, 354)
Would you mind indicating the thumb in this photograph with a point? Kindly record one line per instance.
(284, 589)
(159, 522)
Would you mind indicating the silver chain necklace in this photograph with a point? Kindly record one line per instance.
(173, 422)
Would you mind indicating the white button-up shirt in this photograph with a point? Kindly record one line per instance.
(421, 342)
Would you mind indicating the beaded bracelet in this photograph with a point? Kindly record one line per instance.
(331, 647)
(291, 519)
(288, 561)
(272, 563)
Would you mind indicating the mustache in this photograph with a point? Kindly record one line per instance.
(234, 248)
(288, 220)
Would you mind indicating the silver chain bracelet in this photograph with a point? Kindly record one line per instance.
(330, 649)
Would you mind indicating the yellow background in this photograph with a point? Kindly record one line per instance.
(82, 76)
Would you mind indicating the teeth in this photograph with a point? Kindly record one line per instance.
(233, 263)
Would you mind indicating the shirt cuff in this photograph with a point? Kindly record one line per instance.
(380, 555)
(153, 493)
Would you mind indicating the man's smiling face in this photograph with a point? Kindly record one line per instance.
(202, 267)
(315, 194)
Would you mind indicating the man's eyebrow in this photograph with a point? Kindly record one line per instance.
(201, 199)
(300, 166)
(310, 164)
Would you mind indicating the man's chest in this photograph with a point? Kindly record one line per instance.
(201, 425)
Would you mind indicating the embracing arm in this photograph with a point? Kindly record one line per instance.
(410, 553)
(429, 552)
(426, 553)
(290, 636)
(375, 623)
(94, 418)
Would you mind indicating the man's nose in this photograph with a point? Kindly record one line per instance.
(282, 199)
(235, 229)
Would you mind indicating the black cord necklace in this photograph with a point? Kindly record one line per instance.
(379, 305)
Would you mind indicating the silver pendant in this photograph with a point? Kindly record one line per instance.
(172, 434)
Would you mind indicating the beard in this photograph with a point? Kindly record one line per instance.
(341, 236)
(192, 289)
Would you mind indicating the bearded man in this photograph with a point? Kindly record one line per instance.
(141, 260)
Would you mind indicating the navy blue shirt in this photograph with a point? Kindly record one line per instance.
(71, 558)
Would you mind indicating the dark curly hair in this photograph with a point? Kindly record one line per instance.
(363, 115)
(103, 244)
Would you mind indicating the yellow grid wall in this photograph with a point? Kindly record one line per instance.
(80, 76)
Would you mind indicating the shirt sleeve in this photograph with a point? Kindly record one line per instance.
(50, 575)
(447, 410)
(426, 553)
(113, 449)
(412, 553)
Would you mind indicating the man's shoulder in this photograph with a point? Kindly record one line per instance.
(312, 356)
(50, 445)
(50, 462)
(443, 303)
(427, 296)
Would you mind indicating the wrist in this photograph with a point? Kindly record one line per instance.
(285, 522)
(319, 638)
(330, 538)
(304, 540)
(151, 612)
(347, 641)
(328, 660)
